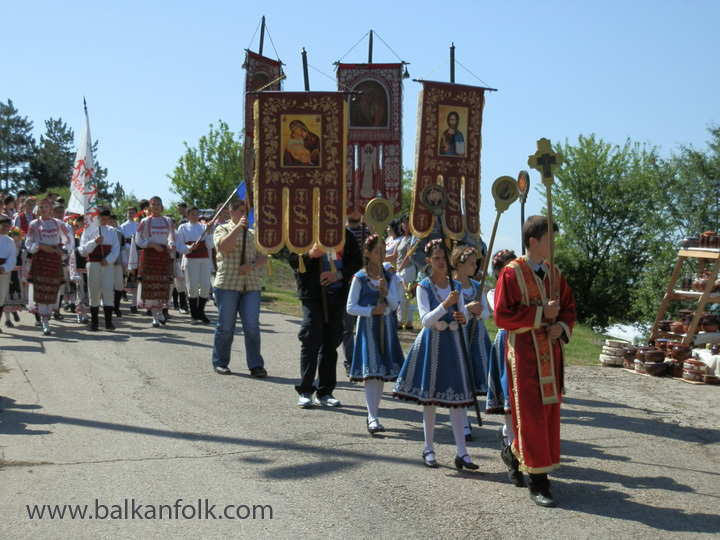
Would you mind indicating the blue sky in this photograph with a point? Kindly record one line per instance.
(156, 74)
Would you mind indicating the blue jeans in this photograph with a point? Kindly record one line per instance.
(230, 304)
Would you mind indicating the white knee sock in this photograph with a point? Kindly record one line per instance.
(508, 431)
(429, 426)
(457, 420)
(373, 395)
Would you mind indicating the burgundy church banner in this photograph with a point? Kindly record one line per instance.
(261, 73)
(374, 157)
(300, 141)
(448, 153)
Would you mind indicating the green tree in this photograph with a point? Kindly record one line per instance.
(205, 176)
(604, 200)
(17, 146)
(53, 162)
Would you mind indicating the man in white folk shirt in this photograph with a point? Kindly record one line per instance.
(101, 247)
(8, 257)
(196, 263)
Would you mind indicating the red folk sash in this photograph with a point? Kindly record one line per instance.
(99, 253)
(200, 253)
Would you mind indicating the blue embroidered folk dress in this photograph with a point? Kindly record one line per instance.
(498, 397)
(434, 371)
(478, 341)
(367, 361)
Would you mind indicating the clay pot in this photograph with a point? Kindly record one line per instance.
(629, 352)
(681, 352)
(676, 369)
(664, 326)
(677, 327)
(715, 348)
(661, 343)
(711, 379)
(716, 287)
(694, 365)
(690, 242)
(640, 354)
(657, 369)
(710, 323)
(690, 375)
(639, 366)
(655, 355)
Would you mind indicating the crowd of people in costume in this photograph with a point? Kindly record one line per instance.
(359, 297)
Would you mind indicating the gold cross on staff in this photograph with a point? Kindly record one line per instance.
(545, 161)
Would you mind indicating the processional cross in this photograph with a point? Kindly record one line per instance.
(546, 161)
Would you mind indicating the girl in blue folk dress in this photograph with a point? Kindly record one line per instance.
(434, 371)
(374, 304)
(464, 260)
(498, 398)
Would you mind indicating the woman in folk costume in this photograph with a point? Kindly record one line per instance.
(498, 396)
(15, 300)
(155, 239)
(48, 241)
(464, 261)
(373, 301)
(434, 371)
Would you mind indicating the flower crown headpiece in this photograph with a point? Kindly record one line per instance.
(499, 255)
(431, 245)
(370, 239)
(465, 254)
(16, 231)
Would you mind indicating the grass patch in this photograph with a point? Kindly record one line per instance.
(279, 295)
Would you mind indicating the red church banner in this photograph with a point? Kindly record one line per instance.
(261, 73)
(448, 153)
(300, 142)
(374, 157)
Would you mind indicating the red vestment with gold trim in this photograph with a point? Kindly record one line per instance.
(534, 363)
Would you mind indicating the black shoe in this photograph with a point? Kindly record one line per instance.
(468, 435)
(57, 316)
(432, 463)
(134, 309)
(460, 463)
(375, 427)
(513, 465)
(543, 498)
(222, 370)
(9, 324)
(117, 312)
(258, 371)
(16, 317)
(516, 478)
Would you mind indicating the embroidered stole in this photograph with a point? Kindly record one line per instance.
(534, 295)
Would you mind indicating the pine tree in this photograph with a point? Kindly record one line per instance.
(17, 147)
(53, 162)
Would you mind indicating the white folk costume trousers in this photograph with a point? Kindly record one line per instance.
(197, 277)
(101, 280)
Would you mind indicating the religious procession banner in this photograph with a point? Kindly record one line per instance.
(374, 157)
(448, 153)
(261, 73)
(300, 142)
(83, 190)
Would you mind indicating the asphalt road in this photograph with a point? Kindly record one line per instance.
(136, 425)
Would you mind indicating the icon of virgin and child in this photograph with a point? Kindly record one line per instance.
(302, 147)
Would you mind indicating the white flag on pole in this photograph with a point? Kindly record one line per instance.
(83, 191)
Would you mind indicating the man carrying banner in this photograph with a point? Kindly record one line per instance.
(155, 239)
(237, 290)
(101, 248)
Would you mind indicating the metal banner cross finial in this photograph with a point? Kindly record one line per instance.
(545, 161)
